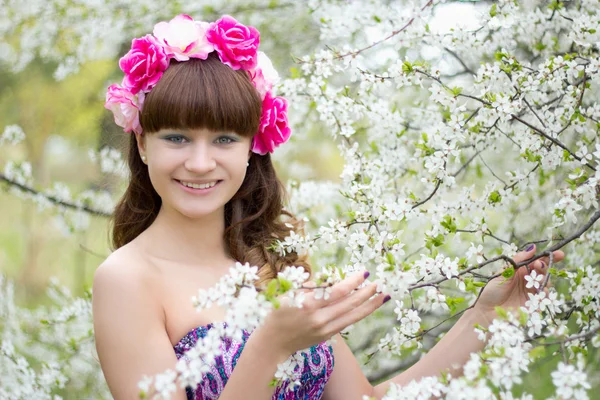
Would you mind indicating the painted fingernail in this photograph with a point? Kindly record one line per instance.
(543, 265)
(386, 298)
(530, 247)
(367, 273)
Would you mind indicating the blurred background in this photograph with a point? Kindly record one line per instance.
(69, 138)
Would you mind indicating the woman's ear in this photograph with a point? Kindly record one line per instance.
(141, 145)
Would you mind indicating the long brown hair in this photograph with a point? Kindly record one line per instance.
(209, 94)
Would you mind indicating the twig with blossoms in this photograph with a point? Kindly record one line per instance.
(52, 199)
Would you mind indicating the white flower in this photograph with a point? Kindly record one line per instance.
(12, 134)
(569, 380)
(533, 280)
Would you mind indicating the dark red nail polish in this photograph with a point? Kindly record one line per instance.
(543, 265)
(386, 298)
(530, 247)
(367, 273)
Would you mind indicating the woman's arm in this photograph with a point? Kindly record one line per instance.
(450, 354)
(131, 339)
(289, 329)
(129, 329)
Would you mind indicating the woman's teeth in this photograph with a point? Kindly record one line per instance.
(199, 185)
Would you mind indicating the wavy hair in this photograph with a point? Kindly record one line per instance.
(209, 94)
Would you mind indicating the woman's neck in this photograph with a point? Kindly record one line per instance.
(174, 237)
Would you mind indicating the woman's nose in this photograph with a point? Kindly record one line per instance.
(200, 159)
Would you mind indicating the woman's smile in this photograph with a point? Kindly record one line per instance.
(198, 188)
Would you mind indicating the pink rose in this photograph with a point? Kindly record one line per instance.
(144, 64)
(264, 76)
(236, 44)
(126, 107)
(273, 129)
(183, 38)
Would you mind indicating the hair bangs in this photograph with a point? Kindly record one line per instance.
(198, 94)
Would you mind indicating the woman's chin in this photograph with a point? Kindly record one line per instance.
(197, 214)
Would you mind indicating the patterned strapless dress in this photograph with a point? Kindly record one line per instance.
(316, 370)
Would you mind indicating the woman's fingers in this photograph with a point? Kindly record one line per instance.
(557, 256)
(351, 301)
(525, 255)
(356, 314)
(343, 288)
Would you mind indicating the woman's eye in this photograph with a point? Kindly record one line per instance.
(225, 140)
(177, 139)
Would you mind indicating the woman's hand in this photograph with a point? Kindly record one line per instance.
(290, 328)
(512, 293)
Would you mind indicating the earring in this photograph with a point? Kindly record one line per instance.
(144, 159)
(248, 164)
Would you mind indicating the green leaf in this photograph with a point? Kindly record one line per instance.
(494, 197)
(537, 352)
(530, 156)
(494, 10)
(563, 274)
(284, 285)
(509, 272)
(407, 67)
(390, 259)
(500, 55)
(501, 312)
(341, 272)
(456, 90)
(480, 327)
(276, 303)
(522, 317)
(271, 288)
(556, 5)
(437, 241)
(449, 224)
(452, 302)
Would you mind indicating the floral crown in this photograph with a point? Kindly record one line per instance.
(183, 38)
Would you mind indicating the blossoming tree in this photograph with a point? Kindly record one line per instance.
(460, 146)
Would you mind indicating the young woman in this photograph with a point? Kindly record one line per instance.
(202, 195)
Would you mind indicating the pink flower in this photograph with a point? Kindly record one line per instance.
(273, 129)
(126, 107)
(183, 38)
(264, 76)
(144, 64)
(236, 44)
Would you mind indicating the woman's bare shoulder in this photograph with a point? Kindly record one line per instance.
(126, 265)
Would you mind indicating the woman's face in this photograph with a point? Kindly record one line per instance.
(195, 172)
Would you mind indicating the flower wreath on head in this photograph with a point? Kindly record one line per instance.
(183, 38)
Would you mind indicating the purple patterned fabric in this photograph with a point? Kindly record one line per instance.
(316, 371)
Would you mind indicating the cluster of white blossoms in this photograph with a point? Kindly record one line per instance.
(72, 211)
(460, 145)
(571, 381)
(12, 134)
(246, 308)
(110, 160)
(58, 338)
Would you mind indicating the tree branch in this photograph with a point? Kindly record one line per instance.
(52, 199)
